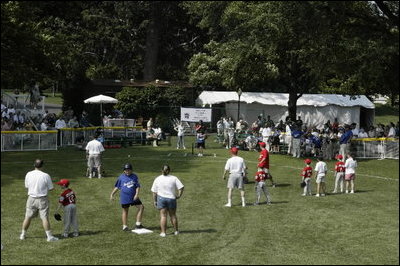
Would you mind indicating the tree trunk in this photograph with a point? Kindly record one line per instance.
(152, 42)
(292, 105)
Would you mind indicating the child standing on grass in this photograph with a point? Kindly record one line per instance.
(350, 172)
(320, 173)
(67, 200)
(306, 177)
(339, 174)
(260, 186)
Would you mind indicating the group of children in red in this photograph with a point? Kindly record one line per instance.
(344, 171)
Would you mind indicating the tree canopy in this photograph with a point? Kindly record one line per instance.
(349, 47)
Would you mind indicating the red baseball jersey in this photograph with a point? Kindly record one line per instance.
(260, 176)
(307, 172)
(339, 167)
(67, 197)
(265, 163)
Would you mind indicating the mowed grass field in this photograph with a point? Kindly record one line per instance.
(360, 228)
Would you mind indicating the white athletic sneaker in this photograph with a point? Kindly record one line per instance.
(322, 195)
(176, 233)
(317, 195)
(99, 176)
(76, 234)
(243, 204)
(228, 205)
(52, 239)
(347, 191)
(334, 191)
(352, 192)
(65, 235)
(22, 237)
(162, 234)
(303, 194)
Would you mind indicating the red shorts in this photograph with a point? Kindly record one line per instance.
(349, 177)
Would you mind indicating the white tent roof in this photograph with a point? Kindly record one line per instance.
(269, 98)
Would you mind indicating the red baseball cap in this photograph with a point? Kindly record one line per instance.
(307, 161)
(339, 156)
(63, 182)
(262, 144)
(234, 150)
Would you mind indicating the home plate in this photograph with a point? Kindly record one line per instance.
(142, 231)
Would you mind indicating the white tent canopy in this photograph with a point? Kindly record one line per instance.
(100, 99)
(314, 109)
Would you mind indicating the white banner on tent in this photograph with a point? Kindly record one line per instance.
(195, 114)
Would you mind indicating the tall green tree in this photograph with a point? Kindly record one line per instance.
(294, 47)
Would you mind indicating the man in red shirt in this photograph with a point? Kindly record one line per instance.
(263, 164)
(306, 177)
(339, 173)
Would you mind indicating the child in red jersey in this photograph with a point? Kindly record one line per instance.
(306, 177)
(260, 186)
(67, 200)
(339, 173)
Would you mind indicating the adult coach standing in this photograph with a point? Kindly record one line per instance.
(38, 184)
(166, 190)
(94, 148)
(263, 160)
(236, 168)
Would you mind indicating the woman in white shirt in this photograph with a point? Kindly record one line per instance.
(350, 172)
(166, 190)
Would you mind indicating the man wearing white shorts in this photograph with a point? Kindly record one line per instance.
(38, 184)
(94, 148)
(236, 167)
(320, 172)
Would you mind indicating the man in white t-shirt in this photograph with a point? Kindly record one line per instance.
(38, 184)
(350, 172)
(320, 172)
(166, 190)
(180, 136)
(236, 168)
(94, 148)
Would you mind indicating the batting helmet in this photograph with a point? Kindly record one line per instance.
(127, 166)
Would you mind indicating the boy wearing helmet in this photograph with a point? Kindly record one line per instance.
(128, 184)
(67, 200)
(306, 177)
(339, 173)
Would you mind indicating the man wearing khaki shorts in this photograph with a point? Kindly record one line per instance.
(236, 167)
(94, 148)
(38, 184)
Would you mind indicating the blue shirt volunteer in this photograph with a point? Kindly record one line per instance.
(127, 185)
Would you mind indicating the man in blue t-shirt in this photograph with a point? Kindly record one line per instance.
(128, 184)
(344, 141)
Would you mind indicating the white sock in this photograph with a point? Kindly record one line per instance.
(48, 233)
(138, 223)
(23, 232)
(124, 226)
(243, 201)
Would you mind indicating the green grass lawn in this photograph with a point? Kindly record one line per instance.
(361, 228)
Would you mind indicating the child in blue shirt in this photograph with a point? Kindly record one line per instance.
(128, 184)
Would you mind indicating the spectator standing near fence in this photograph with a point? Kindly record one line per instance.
(350, 172)
(296, 139)
(94, 149)
(236, 168)
(180, 136)
(60, 123)
(344, 141)
(320, 172)
(38, 184)
(166, 190)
